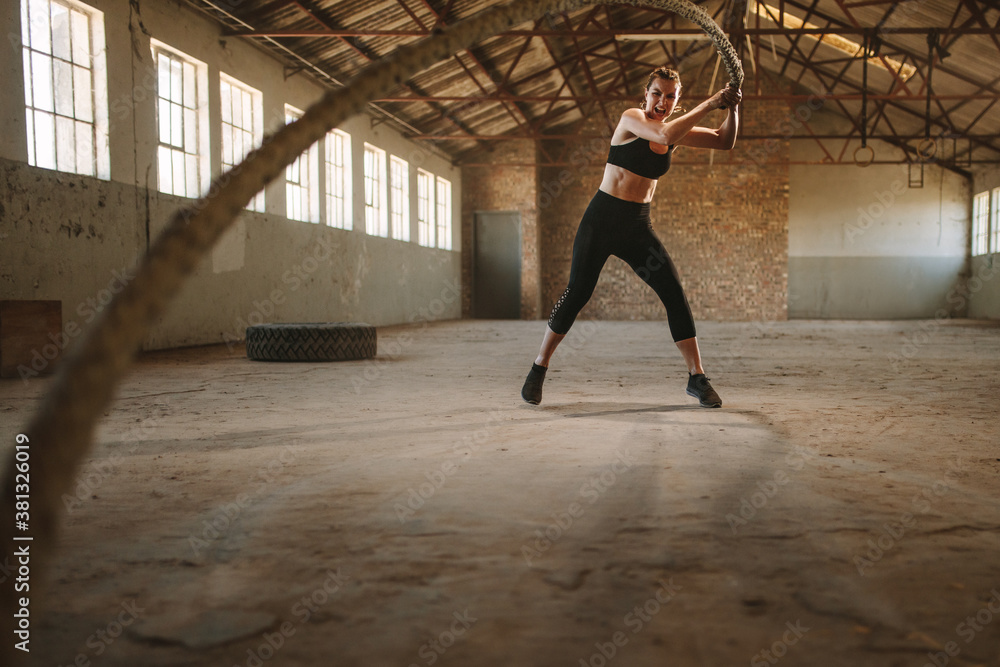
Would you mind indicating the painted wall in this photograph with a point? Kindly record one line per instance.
(75, 238)
(862, 244)
(984, 273)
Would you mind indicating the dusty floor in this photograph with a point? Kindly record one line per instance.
(841, 509)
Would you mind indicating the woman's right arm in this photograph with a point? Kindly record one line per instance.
(670, 132)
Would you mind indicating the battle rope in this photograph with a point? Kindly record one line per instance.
(61, 431)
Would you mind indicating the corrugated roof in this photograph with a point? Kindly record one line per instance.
(524, 84)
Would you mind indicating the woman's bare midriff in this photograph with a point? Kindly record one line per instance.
(623, 184)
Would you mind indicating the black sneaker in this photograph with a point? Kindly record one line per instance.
(701, 388)
(532, 389)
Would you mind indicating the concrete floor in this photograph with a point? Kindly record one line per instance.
(841, 509)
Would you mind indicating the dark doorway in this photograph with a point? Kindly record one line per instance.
(496, 266)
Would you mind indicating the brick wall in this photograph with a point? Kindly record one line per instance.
(725, 225)
(504, 188)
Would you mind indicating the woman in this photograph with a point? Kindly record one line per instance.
(617, 221)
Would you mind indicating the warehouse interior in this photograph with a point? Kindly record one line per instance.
(410, 508)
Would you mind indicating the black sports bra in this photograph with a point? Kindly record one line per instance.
(636, 156)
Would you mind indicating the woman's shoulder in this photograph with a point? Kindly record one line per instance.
(622, 133)
(632, 118)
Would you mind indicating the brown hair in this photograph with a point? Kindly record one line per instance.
(662, 73)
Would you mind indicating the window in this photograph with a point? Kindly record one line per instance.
(443, 213)
(65, 87)
(980, 223)
(425, 208)
(376, 219)
(400, 184)
(338, 180)
(242, 126)
(995, 217)
(182, 122)
(302, 180)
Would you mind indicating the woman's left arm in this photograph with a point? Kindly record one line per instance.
(723, 138)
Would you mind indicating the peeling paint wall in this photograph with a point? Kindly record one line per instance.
(984, 272)
(75, 238)
(862, 244)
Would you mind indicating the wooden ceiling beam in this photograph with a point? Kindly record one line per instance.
(606, 32)
(842, 28)
(980, 141)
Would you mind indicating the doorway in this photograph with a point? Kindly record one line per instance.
(496, 265)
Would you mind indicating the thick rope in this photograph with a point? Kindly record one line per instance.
(83, 388)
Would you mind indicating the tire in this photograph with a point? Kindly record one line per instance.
(336, 341)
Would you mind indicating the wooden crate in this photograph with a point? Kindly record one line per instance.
(31, 337)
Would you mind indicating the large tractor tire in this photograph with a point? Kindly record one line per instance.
(332, 341)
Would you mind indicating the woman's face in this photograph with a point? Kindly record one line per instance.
(661, 98)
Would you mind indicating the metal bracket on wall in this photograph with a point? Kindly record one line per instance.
(963, 159)
(916, 179)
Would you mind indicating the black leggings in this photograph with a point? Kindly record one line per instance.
(613, 226)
